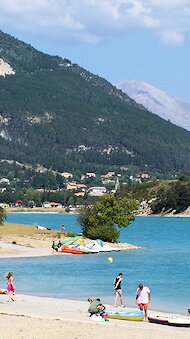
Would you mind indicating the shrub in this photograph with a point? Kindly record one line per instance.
(104, 218)
(105, 233)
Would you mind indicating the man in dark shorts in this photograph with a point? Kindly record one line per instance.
(53, 247)
(118, 290)
(59, 246)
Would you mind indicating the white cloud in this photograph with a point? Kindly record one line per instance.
(93, 20)
(171, 38)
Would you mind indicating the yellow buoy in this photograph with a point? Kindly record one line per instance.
(110, 260)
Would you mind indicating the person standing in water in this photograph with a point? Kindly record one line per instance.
(118, 291)
(10, 286)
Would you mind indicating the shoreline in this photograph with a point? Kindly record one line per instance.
(62, 211)
(164, 215)
(27, 315)
(21, 251)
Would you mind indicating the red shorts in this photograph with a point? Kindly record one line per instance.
(143, 306)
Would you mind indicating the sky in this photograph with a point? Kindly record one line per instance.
(147, 40)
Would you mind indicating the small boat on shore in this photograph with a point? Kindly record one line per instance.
(178, 321)
(77, 245)
(125, 315)
(89, 250)
(72, 250)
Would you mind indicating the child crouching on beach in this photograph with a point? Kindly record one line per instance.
(10, 286)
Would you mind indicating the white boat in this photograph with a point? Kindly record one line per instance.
(85, 248)
(99, 246)
(173, 320)
(94, 244)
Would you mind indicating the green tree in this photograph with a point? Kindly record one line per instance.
(10, 175)
(106, 217)
(33, 195)
(31, 204)
(2, 215)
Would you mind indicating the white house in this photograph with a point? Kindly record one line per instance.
(97, 191)
(66, 175)
(90, 175)
(5, 181)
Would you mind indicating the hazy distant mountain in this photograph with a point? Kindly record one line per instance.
(158, 102)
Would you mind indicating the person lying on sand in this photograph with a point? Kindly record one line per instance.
(3, 291)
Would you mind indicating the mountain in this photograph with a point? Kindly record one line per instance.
(157, 101)
(59, 115)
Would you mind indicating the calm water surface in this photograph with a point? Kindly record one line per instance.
(163, 264)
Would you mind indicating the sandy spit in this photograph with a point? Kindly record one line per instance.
(27, 241)
(8, 250)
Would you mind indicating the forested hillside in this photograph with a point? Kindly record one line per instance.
(57, 114)
(161, 197)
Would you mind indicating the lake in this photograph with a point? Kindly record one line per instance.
(162, 264)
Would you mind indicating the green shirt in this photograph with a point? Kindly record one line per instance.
(93, 309)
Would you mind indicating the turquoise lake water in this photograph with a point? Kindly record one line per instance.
(163, 264)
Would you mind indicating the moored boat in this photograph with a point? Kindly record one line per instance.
(72, 250)
(178, 321)
(84, 248)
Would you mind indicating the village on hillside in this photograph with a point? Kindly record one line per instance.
(61, 189)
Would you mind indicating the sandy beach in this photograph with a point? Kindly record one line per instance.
(37, 317)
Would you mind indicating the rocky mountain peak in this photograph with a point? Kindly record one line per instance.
(157, 101)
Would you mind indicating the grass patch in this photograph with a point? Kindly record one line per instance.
(70, 234)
